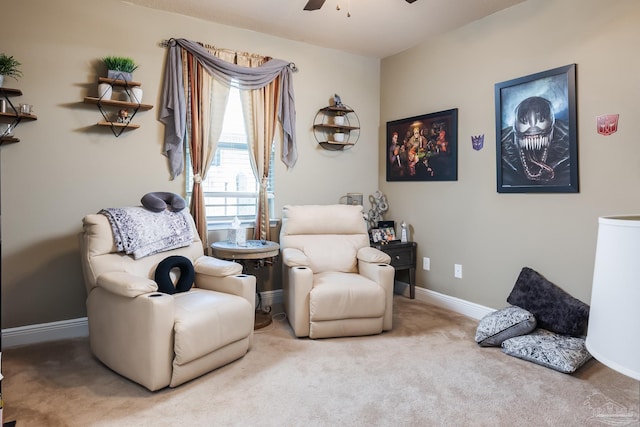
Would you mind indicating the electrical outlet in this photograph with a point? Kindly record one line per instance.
(426, 263)
(457, 271)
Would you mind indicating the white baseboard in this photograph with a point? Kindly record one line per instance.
(77, 328)
(473, 310)
(43, 332)
(470, 309)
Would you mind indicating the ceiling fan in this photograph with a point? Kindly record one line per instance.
(317, 4)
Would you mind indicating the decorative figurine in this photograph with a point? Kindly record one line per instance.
(123, 116)
(337, 101)
(403, 233)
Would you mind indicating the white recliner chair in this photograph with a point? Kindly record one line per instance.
(159, 339)
(334, 283)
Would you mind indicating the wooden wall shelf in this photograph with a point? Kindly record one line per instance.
(8, 140)
(116, 103)
(116, 82)
(119, 125)
(10, 92)
(21, 116)
(12, 114)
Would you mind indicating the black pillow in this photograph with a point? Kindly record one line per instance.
(553, 308)
(158, 200)
(185, 281)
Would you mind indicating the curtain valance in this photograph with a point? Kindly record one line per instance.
(173, 107)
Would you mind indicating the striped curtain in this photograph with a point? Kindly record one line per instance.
(206, 100)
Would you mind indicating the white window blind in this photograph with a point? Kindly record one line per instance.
(231, 188)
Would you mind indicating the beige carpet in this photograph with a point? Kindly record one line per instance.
(428, 371)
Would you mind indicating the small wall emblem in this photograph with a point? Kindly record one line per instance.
(477, 142)
(607, 124)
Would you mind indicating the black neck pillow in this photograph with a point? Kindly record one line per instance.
(185, 281)
(158, 201)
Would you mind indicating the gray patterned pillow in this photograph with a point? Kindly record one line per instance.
(563, 353)
(503, 324)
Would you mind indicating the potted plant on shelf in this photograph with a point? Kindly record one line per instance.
(120, 67)
(9, 68)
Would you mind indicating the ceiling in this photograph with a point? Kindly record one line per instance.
(377, 28)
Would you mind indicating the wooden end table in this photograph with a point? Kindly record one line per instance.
(257, 253)
(403, 258)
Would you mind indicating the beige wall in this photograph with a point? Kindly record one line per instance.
(467, 222)
(65, 167)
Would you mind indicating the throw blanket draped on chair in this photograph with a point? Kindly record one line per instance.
(140, 232)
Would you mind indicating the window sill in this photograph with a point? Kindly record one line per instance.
(225, 225)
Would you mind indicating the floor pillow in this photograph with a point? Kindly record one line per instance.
(503, 324)
(560, 352)
(553, 308)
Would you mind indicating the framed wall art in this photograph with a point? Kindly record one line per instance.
(423, 148)
(536, 133)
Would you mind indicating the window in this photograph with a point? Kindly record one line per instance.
(231, 189)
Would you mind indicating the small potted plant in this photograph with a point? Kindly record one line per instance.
(120, 67)
(9, 68)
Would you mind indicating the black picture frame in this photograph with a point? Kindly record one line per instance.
(382, 235)
(385, 224)
(536, 133)
(423, 148)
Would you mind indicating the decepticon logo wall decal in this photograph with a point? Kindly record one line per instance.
(477, 142)
(607, 124)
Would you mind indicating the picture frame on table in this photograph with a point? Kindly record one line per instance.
(536, 133)
(375, 235)
(385, 233)
(388, 234)
(388, 228)
(423, 148)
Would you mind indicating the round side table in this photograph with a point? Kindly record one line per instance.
(261, 253)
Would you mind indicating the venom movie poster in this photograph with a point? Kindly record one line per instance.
(536, 133)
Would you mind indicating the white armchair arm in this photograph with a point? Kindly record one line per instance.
(374, 265)
(136, 334)
(224, 276)
(216, 267)
(125, 284)
(373, 255)
(371, 262)
(298, 281)
(292, 257)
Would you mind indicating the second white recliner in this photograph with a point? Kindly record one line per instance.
(334, 283)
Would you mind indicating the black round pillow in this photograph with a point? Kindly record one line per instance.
(158, 201)
(185, 281)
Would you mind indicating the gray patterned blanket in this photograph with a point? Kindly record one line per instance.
(140, 232)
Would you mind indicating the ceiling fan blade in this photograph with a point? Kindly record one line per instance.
(410, 1)
(314, 4)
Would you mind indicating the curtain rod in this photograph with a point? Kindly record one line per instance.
(172, 42)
